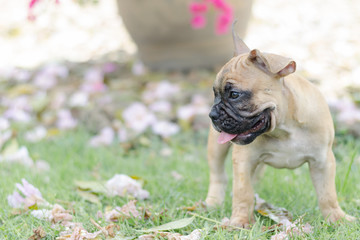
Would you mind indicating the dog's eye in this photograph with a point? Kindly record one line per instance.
(234, 95)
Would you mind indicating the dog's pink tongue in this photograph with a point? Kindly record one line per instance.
(226, 137)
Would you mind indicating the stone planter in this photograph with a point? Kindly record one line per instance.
(166, 41)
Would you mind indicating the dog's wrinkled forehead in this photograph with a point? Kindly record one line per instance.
(231, 73)
(253, 65)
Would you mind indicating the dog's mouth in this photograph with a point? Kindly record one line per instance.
(247, 136)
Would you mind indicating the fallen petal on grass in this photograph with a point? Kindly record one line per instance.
(127, 211)
(43, 214)
(165, 128)
(194, 235)
(122, 185)
(31, 198)
(39, 233)
(59, 214)
(284, 219)
(79, 233)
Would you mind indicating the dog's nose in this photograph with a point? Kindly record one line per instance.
(214, 114)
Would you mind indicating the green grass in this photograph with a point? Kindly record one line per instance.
(72, 159)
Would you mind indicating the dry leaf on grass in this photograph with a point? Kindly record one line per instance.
(88, 196)
(181, 223)
(59, 214)
(194, 235)
(284, 219)
(200, 205)
(39, 233)
(79, 234)
(127, 211)
(91, 186)
(292, 230)
(268, 210)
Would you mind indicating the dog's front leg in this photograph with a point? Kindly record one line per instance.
(323, 178)
(243, 193)
(216, 160)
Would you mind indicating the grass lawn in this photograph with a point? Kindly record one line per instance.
(72, 159)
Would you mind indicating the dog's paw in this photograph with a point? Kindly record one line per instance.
(350, 218)
(340, 215)
(240, 222)
(213, 202)
(216, 195)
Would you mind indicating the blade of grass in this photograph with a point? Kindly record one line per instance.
(348, 171)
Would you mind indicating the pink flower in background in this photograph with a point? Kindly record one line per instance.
(109, 67)
(160, 91)
(198, 21)
(104, 138)
(347, 111)
(165, 128)
(17, 115)
(94, 81)
(79, 99)
(138, 117)
(32, 3)
(21, 75)
(223, 18)
(49, 74)
(198, 7)
(161, 106)
(4, 137)
(223, 22)
(138, 68)
(198, 10)
(198, 106)
(94, 75)
(58, 100)
(65, 120)
(4, 124)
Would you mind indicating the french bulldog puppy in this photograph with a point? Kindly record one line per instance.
(271, 116)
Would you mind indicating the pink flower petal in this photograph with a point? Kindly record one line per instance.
(223, 22)
(197, 7)
(198, 21)
(32, 3)
(220, 4)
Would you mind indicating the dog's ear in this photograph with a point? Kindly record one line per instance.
(271, 63)
(239, 45)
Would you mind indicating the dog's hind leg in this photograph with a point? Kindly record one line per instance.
(216, 160)
(323, 178)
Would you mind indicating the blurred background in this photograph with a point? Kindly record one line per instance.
(124, 68)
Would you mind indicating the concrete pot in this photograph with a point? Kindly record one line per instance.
(166, 41)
